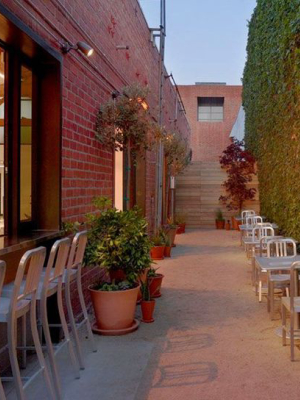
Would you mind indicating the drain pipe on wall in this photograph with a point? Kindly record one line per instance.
(160, 152)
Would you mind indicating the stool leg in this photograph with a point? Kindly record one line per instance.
(24, 342)
(292, 342)
(271, 300)
(66, 331)
(84, 310)
(72, 322)
(38, 348)
(52, 362)
(2, 394)
(11, 334)
(283, 314)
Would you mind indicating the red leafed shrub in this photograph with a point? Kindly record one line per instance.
(240, 167)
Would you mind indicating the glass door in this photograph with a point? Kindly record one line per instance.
(2, 139)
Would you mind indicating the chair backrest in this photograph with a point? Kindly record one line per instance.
(245, 214)
(2, 274)
(253, 220)
(77, 250)
(260, 231)
(285, 247)
(32, 263)
(57, 260)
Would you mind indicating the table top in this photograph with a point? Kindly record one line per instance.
(275, 263)
(240, 218)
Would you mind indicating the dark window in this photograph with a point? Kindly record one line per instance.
(210, 109)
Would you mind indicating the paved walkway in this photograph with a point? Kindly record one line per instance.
(211, 339)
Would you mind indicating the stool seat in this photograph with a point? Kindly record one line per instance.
(22, 308)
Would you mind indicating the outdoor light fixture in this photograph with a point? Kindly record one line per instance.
(82, 46)
(122, 47)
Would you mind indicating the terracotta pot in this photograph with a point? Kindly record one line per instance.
(227, 226)
(114, 310)
(155, 285)
(147, 310)
(167, 252)
(220, 224)
(180, 229)
(235, 223)
(157, 252)
(117, 275)
(171, 233)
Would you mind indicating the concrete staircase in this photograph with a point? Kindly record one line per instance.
(197, 194)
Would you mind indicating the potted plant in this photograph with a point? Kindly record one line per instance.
(155, 282)
(170, 231)
(239, 165)
(180, 220)
(227, 225)
(158, 249)
(220, 221)
(118, 242)
(168, 248)
(147, 304)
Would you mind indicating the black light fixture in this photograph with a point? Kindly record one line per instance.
(82, 46)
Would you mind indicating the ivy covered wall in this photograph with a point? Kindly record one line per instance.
(271, 98)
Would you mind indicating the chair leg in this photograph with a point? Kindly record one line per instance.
(260, 290)
(73, 323)
(271, 294)
(283, 316)
(268, 296)
(2, 394)
(38, 348)
(66, 332)
(52, 362)
(287, 291)
(11, 334)
(84, 310)
(24, 342)
(292, 340)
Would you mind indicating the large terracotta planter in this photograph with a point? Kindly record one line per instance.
(155, 285)
(220, 224)
(114, 311)
(157, 252)
(147, 310)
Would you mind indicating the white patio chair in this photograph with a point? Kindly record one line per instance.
(22, 301)
(291, 304)
(247, 213)
(285, 247)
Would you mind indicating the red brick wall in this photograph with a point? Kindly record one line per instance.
(104, 24)
(209, 139)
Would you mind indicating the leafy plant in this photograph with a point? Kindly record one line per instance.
(118, 240)
(145, 291)
(219, 215)
(71, 227)
(180, 218)
(158, 240)
(177, 152)
(113, 286)
(152, 272)
(240, 167)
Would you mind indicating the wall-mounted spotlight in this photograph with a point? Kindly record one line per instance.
(122, 47)
(82, 46)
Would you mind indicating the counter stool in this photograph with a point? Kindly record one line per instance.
(22, 301)
(73, 271)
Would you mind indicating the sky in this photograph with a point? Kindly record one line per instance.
(206, 39)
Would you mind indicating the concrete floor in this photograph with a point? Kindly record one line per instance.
(211, 339)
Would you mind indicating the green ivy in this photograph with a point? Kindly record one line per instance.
(271, 98)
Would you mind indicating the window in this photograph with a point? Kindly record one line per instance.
(210, 109)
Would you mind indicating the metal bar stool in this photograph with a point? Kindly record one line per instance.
(22, 301)
(74, 269)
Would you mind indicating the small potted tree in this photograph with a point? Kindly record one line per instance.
(117, 242)
(220, 221)
(155, 282)
(147, 304)
(239, 165)
(158, 241)
(170, 231)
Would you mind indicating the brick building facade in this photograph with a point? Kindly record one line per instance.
(210, 138)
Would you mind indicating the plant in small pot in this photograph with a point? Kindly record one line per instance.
(170, 231)
(180, 220)
(158, 249)
(147, 304)
(168, 248)
(117, 242)
(227, 225)
(155, 282)
(220, 221)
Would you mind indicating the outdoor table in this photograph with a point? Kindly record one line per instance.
(248, 228)
(273, 264)
(240, 218)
